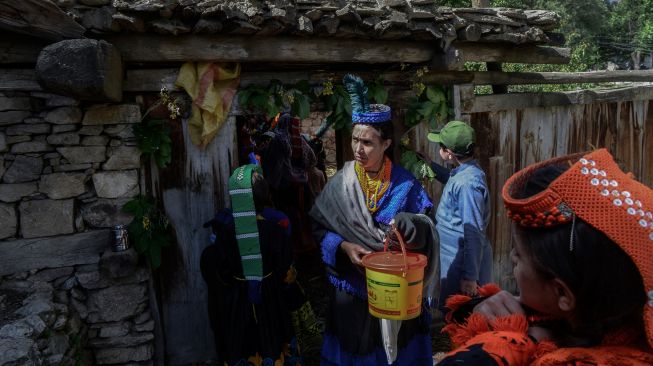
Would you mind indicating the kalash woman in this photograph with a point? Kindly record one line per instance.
(351, 217)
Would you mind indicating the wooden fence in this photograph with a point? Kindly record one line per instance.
(515, 130)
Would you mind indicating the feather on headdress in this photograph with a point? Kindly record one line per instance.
(361, 109)
(357, 93)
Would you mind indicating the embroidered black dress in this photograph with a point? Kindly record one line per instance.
(249, 330)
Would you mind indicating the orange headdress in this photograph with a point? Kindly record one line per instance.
(597, 191)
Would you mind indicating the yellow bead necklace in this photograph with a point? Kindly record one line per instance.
(374, 188)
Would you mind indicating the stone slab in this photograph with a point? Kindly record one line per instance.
(112, 114)
(46, 218)
(53, 252)
(64, 116)
(62, 185)
(83, 154)
(13, 117)
(23, 169)
(14, 192)
(116, 184)
(8, 219)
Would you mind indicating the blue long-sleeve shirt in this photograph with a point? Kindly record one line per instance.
(462, 219)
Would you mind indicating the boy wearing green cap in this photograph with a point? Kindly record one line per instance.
(463, 213)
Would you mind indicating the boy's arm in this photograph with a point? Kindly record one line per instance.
(472, 206)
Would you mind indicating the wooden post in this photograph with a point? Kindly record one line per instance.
(462, 95)
(497, 89)
(480, 3)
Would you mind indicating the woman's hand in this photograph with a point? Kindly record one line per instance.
(501, 304)
(469, 287)
(355, 252)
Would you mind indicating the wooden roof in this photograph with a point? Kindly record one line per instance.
(364, 19)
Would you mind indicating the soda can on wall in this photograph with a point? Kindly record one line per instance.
(120, 238)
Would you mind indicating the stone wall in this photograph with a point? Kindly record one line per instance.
(312, 124)
(66, 169)
(93, 314)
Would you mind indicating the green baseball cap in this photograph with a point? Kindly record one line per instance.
(457, 136)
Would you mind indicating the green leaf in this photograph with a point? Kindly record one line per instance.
(377, 92)
(243, 97)
(303, 86)
(435, 94)
(271, 109)
(301, 106)
(427, 109)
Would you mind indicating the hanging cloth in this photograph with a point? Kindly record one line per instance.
(247, 236)
(212, 88)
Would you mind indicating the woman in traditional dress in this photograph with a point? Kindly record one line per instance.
(351, 217)
(250, 279)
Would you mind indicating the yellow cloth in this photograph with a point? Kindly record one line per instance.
(212, 88)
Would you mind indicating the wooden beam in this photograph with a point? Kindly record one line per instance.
(500, 102)
(528, 54)
(18, 80)
(19, 49)
(53, 252)
(529, 78)
(148, 80)
(39, 18)
(153, 48)
(154, 79)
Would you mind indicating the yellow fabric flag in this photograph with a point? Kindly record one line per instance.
(212, 88)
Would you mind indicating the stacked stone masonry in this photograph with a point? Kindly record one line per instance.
(65, 172)
(63, 168)
(95, 314)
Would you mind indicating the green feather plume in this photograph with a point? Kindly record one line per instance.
(357, 93)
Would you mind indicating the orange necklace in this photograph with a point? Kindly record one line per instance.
(374, 188)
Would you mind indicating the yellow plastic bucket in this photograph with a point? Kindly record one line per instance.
(394, 282)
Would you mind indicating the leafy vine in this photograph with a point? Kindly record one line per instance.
(430, 105)
(150, 230)
(275, 97)
(153, 134)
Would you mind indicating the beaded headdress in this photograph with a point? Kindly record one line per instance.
(361, 110)
(594, 189)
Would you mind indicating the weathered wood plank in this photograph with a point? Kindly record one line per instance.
(39, 18)
(52, 252)
(153, 48)
(154, 79)
(528, 54)
(19, 49)
(489, 103)
(18, 80)
(191, 190)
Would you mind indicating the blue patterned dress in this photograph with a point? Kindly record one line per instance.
(352, 336)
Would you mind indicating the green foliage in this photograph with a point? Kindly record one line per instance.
(150, 230)
(376, 91)
(630, 26)
(431, 106)
(153, 138)
(412, 162)
(275, 98)
(337, 101)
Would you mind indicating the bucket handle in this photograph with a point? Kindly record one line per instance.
(400, 237)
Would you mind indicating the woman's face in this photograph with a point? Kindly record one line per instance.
(536, 292)
(368, 147)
